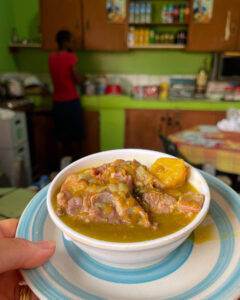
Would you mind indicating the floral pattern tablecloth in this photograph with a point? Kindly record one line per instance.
(206, 144)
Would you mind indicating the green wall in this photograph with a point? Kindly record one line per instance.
(131, 62)
(26, 16)
(7, 62)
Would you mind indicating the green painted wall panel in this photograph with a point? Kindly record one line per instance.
(7, 62)
(131, 62)
(111, 129)
(26, 17)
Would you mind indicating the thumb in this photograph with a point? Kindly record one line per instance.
(19, 253)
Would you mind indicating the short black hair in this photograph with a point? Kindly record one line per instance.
(62, 36)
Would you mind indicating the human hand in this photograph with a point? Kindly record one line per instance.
(15, 254)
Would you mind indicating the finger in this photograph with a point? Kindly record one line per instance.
(19, 253)
(8, 228)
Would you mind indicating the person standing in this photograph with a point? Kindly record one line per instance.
(67, 111)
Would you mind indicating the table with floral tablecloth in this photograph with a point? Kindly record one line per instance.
(206, 144)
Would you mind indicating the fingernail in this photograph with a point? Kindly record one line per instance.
(45, 244)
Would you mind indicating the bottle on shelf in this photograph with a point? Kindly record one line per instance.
(157, 37)
(131, 37)
(149, 12)
(141, 36)
(181, 37)
(175, 13)
(152, 36)
(186, 13)
(143, 12)
(171, 38)
(170, 13)
(131, 12)
(137, 12)
(136, 37)
(181, 12)
(146, 36)
(164, 14)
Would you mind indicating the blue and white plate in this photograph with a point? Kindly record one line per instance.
(206, 266)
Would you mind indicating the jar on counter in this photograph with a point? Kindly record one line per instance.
(228, 93)
(236, 93)
(101, 85)
(89, 88)
(131, 37)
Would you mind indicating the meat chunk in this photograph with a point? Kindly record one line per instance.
(145, 178)
(130, 172)
(63, 197)
(108, 207)
(71, 184)
(190, 202)
(158, 202)
(74, 205)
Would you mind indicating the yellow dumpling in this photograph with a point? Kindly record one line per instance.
(171, 171)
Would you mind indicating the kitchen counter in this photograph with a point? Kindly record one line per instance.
(111, 110)
(44, 103)
(112, 113)
(126, 102)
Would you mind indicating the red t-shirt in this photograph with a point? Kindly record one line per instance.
(60, 65)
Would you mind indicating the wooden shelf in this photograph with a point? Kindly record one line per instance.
(14, 47)
(158, 24)
(29, 45)
(159, 46)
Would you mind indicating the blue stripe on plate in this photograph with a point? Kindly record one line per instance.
(229, 287)
(130, 276)
(225, 255)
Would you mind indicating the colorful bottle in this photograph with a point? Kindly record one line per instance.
(187, 13)
(137, 13)
(131, 37)
(181, 12)
(146, 36)
(170, 13)
(164, 14)
(141, 36)
(163, 91)
(136, 37)
(152, 36)
(149, 12)
(143, 12)
(176, 14)
(131, 12)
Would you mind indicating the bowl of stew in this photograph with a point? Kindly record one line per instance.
(128, 206)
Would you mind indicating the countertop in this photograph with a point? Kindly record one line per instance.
(97, 103)
(126, 102)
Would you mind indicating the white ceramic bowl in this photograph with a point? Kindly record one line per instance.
(126, 253)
